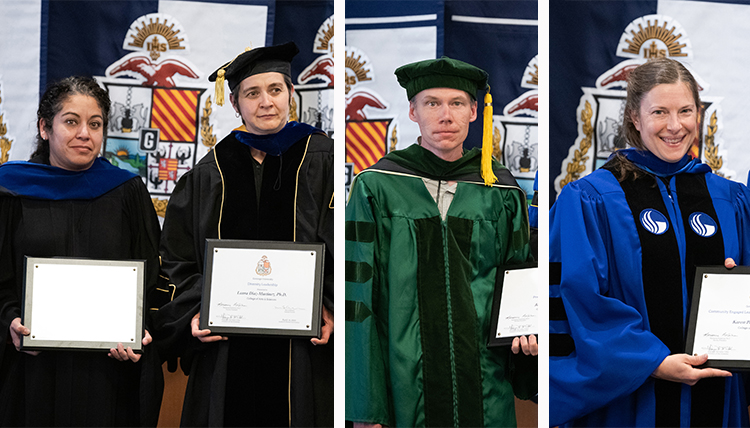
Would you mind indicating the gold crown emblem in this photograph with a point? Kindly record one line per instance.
(359, 70)
(324, 36)
(652, 32)
(534, 76)
(156, 37)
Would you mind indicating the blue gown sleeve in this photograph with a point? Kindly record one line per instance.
(742, 217)
(609, 351)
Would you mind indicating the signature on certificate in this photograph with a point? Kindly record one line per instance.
(289, 309)
(231, 318)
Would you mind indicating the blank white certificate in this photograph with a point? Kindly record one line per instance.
(81, 303)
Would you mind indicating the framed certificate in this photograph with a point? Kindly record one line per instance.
(719, 322)
(83, 304)
(515, 306)
(262, 288)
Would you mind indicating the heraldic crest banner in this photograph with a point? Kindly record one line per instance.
(620, 36)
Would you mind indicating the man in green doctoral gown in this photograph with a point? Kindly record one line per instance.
(425, 233)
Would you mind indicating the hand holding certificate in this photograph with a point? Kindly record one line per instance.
(720, 317)
(516, 304)
(82, 304)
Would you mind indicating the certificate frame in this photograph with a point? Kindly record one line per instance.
(71, 304)
(251, 248)
(699, 316)
(493, 340)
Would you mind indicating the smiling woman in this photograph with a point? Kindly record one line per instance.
(667, 120)
(618, 310)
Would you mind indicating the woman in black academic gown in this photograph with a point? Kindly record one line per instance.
(68, 201)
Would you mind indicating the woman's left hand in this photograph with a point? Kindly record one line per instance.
(528, 346)
(122, 354)
(326, 330)
(729, 263)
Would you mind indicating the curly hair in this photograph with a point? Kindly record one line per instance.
(644, 78)
(52, 102)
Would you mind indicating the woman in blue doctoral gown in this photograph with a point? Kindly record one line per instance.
(624, 244)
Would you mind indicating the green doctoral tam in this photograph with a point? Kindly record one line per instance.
(441, 73)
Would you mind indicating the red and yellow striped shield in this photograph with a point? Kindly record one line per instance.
(365, 142)
(175, 113)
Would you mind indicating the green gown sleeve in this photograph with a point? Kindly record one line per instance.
(523, 373)
(367, 388)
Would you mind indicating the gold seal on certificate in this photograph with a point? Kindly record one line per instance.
(515, 308)
(83, 303)
(262, 288)
(719, 322)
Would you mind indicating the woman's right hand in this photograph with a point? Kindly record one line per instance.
(16, 331)
(679, 368)
(203, 335)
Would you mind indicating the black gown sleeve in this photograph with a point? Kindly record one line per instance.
(191, 213)
(144, 243)
(10, 305)
(315, 205)
(325, 231)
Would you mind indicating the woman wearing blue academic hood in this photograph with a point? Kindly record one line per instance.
(624, 245)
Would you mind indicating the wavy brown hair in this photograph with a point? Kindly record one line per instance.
(51, 103)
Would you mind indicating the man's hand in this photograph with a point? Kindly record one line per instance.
(527, 345)
(16, 331)
(366, 425)
(679, 368)
(326, 330)
(203, 335)
(122, 354)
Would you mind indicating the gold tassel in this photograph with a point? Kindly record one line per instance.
(487, 174)
(219, 89)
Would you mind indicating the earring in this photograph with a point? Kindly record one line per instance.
(237, 115)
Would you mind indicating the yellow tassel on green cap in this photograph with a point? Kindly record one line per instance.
(487, 174)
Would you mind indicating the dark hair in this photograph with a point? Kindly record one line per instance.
(53, 99)
(288, 81)
(644, 78)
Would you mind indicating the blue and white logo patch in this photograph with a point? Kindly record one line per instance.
(702, 224)
(654, 221)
